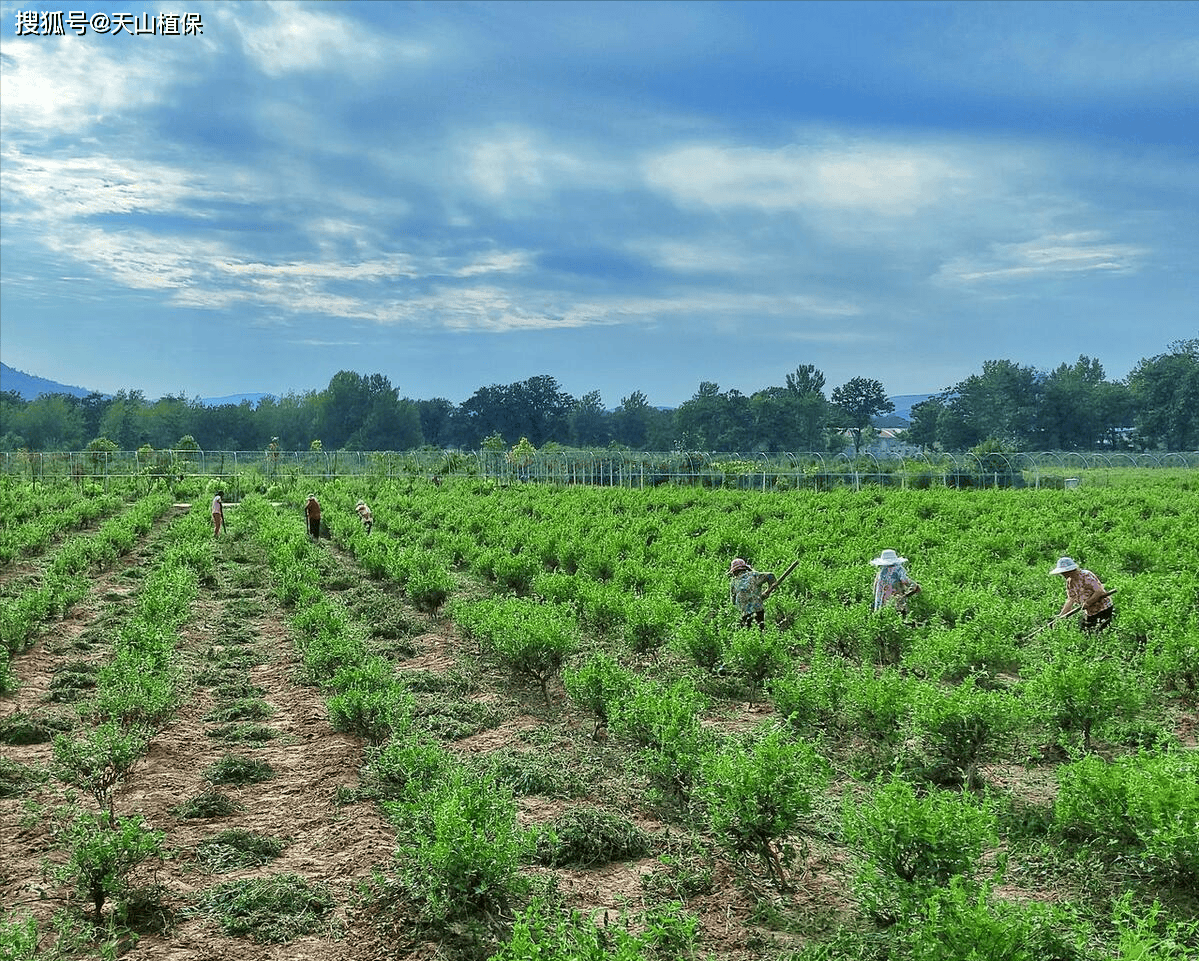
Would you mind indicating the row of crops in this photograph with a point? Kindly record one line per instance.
(994, 790)
(884, 732)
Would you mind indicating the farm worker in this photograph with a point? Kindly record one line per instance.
(312, 511)
(745, 590)
(218, 514)
(892, 581)
(365, 513)
(1084, 589)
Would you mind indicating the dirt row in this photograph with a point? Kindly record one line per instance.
(330, 839)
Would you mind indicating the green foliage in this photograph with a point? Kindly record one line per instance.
(755, 793)
(463, 848)
(531, 639)
(596, 684)
(33, 727)
(103, 852)
(665, 722)
(548, 933)
(273, 909)
(404, 768)
(529, 772)
(1152, 937)
(963, 921)
(373, 713)
(812, 699)
(1143, 807)
(17, 778)
(756, 655)
(19, 937)
(955, 726)
(1081, 688)
(912, 844)
(97, 759)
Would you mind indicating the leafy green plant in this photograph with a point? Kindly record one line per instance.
(17, 778)
(811, 698)
(596, 683)
(33, 727)
(1146, 807)
(954, 727)
(103, 852)
(756, 791)
(404, 768)
(911, 844)
(546, 932)
(97, 759)
(1081, 688)
(463, 848)
(244, 709)
(965, 921)
(756, 655)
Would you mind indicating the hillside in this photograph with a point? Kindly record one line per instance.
(30, 386)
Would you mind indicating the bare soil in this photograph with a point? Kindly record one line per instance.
(331, 838)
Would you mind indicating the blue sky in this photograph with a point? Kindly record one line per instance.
(625, 196)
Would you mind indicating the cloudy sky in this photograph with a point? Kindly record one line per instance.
(623, 195)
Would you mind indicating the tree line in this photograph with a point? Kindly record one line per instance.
(1073, 407)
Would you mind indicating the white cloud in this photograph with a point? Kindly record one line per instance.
(1076, 253)
(287, 38)
(888, 180)
(62, 85)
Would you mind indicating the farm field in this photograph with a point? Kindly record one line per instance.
(521, 721)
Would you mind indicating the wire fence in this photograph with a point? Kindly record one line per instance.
(603, 467)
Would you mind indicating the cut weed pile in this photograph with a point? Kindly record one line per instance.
(237, 848)
(268, 910)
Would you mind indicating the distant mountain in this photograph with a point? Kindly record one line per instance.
(904, 404)
(31, 387)
(235, 399)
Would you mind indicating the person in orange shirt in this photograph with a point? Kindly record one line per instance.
(312, 511)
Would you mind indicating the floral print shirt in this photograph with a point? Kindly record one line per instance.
(1078, 589)
(745, 590)
(891, 581)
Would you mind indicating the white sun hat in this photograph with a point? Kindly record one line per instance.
(1064, 564)
(887, 558)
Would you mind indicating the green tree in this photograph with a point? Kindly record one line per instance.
(631, 420)
(122, 422)
(1001, 404)
(1165, 390)
(589, 423)
(857, 401)
(1071, 415)
(52, 422)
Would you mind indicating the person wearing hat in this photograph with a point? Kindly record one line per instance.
(1085, 590)
(745, 591)
(365, 513)
(312, 512)
(892, 581)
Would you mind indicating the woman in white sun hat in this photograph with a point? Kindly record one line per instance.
(892, 581)
(1085, 590)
